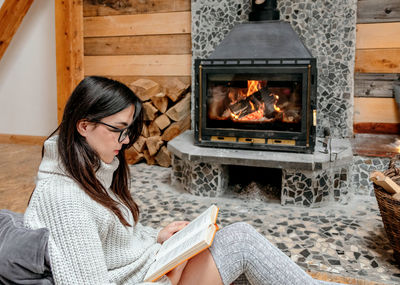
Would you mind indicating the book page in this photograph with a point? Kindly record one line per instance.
(185, 250)
(198, 224)
(178, 250)
(193, 238)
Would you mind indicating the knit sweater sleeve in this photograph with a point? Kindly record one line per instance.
(77, 226)
(150, 232)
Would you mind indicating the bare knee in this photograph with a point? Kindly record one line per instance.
(201, 269)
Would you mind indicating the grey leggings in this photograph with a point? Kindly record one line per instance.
(239, 249)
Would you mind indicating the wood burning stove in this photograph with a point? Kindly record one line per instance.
(257, 90)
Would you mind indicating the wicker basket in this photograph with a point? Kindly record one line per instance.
(390, 212)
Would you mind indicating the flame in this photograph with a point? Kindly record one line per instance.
(255, 115)
(252, 106)
(276, 101)
(252, 87)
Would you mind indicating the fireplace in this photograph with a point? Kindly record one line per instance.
(232, 51)
(257, 90)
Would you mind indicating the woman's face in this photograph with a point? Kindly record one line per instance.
(104, 139)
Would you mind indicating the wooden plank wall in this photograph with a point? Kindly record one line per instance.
(377, 67)
(132, 39)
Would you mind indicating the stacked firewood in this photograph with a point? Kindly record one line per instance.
(389, 180)
(166, 114)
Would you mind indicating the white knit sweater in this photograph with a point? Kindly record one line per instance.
(87, 244)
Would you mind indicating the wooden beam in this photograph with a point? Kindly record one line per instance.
(378, 110)
(69, 49)
(135, 25)
(378, 36)
(377, 61)
(12, 13)
(146, 65)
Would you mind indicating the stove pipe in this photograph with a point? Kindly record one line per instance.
(263, 10)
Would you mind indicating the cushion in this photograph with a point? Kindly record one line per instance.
(24, 257)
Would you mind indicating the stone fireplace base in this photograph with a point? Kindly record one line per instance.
(308, 180)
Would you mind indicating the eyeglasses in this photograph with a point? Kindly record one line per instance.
(123, 133)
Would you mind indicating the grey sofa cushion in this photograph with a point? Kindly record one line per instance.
(24, 257)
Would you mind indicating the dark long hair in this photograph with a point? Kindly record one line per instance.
(94, 99)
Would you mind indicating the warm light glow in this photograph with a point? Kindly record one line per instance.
(255, 115)
(258, 114)
(276, 101)
(252, 87)
(252, 106)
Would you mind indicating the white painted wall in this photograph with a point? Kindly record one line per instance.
(28, 87)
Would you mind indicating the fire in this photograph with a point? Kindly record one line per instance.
(257, 114)
(252, 87)
(276, 100)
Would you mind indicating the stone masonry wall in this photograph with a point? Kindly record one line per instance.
(327, 28)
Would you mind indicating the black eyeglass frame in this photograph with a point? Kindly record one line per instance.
(121, 131)
(138, 108)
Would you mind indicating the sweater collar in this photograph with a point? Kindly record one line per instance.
(51, 164)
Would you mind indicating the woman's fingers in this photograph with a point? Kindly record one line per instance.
(178, 225)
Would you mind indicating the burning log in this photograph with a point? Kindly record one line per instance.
(244, 107)
(261, 99)
(269, 100)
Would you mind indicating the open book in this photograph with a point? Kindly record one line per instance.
(191, 240)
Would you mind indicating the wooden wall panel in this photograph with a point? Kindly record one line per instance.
(370, 11)
(149, 65)
(378, 36)
(381, 110)
(139, 45)
(377, 66)
(375, 85)
(131, 7)
(128, 40)
(378, 61)
(376, 128)
(133, 39)
(144, 24)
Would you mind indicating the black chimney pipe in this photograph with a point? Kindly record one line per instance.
(263, 10)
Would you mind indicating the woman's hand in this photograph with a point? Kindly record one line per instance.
(175, 274)
(170, 229)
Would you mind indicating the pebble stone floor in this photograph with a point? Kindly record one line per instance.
(348, 240)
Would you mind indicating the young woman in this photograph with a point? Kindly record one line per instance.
(82, 196)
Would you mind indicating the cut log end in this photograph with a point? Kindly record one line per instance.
(166, 112)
